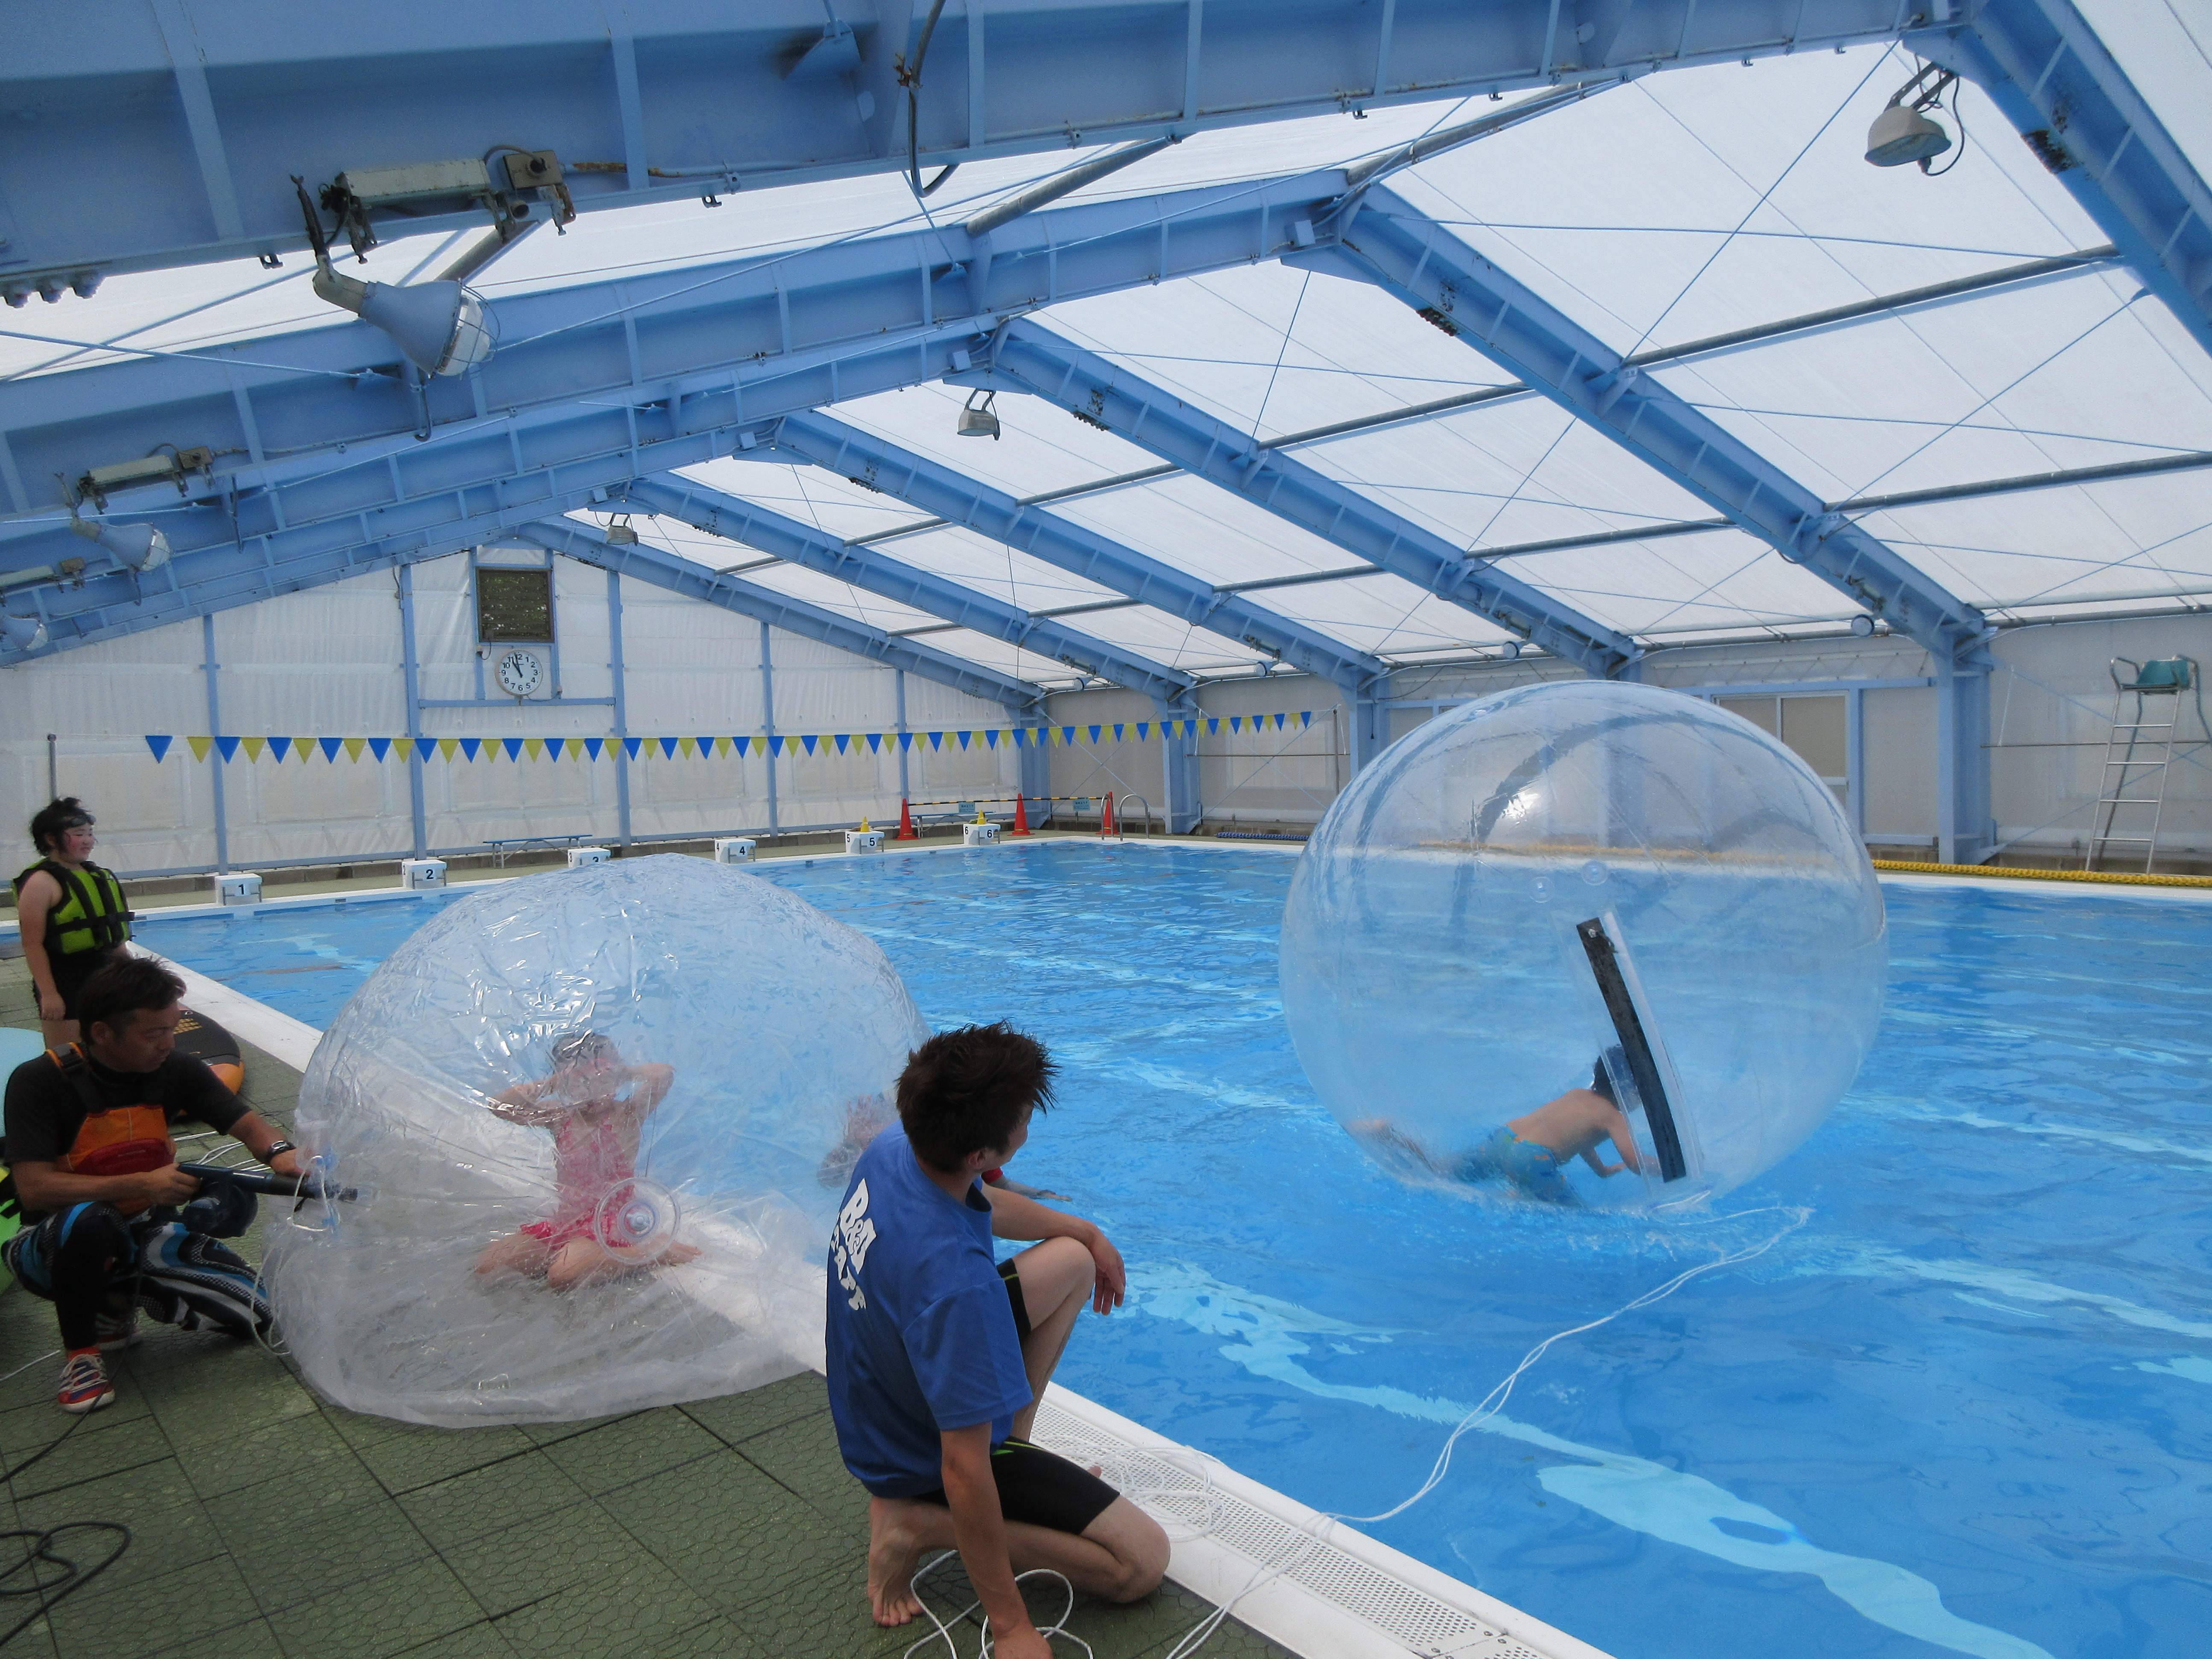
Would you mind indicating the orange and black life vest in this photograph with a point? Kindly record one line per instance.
(91, 916)
(112, 1141)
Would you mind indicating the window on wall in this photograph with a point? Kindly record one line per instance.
(1817, 728)
(514, 604)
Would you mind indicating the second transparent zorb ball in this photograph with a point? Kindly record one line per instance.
(1587, 878)
(596, 1123)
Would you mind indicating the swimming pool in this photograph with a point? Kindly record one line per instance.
(1964, 1408)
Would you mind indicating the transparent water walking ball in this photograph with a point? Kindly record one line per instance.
(595, 1123)
(1567, 877)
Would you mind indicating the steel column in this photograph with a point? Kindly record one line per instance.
(411, 665)
(615, 667)
(768, 721)
(215, 726)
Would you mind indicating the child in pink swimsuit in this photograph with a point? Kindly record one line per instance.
(595, 1140)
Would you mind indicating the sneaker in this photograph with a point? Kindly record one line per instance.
(85, 1386)
(116, 1325)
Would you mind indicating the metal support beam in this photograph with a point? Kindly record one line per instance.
(2045, 67)
(768, 717)
(215, 726)
(1028, 357)
(411, 677)
(1181, 806)
(172, 140)
(737, 520)
(1385, 240)
(1065, 546)
(1965, 830)
(620, 675)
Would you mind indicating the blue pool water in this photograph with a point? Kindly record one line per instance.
(1963, 1409)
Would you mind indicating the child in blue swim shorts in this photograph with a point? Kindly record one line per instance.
(1531, 1152)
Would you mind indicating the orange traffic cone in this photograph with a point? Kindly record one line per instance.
(906, 821)
(1021, 816)
(1106, 822)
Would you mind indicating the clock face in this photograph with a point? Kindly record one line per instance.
(519, 673)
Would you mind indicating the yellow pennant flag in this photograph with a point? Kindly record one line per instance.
(253, 747)
(404, 747)
(535, 748)
(686, 748)
(353, 748)
(448, 747)
(301, 745)
(575, 747)
(760, 745)
(721, 745)
(200, 747)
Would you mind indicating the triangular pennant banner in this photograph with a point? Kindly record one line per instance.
(810, 740)
(353, 748)
(1278, 721)
(408, 749)
(514, 747)
(1118, 730)
(303, 747)
(875, 743)
(160, 746)
(279, 747)
(381, 747)
(631, 747)
(593, 745)
(1213, 726)
(721, 745)
(937, 741)
(1067, 736)
(535, 748)
(575, 747)
(254, 746)
(1144, 731)
(1305, 717)
(1020, 734)
(906, 740)
(759, 745)
(991, 739)
(330, 746)
(776, 747)
(964, 736)
(1236, 722)
(200, 747)
(469, 746)
(844, 741)
(1095, 731)
(228, 746)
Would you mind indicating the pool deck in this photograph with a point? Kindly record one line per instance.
(264, 1521)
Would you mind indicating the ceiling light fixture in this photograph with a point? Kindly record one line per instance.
(978, 420)
(140, 546)
(439, 326)
(1903, 132)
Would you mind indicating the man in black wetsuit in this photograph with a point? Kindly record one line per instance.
(72, 915)
(95, 1173)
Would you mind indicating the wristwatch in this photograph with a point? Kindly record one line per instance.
(277, 1149)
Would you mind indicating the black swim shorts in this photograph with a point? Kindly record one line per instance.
(1043, 1488)
(1014, 1299)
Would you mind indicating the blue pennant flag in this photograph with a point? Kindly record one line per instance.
(842, 741)
(875, 743)
(667, 747)
(964, 737)
(469, 746)
(631, 747)
(809, 741)
(1144, 731)
(280, 747)
(1305, 717)
(1095, 731)
(160, 746)
(1118, 730)
(512, 746)
(226, 747)
(906, 740)
(937, 741)
(380, 747)
(330, 746)
(593, 746)
(776, 747)
(991, 736)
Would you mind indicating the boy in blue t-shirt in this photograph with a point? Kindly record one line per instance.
(938, 1353)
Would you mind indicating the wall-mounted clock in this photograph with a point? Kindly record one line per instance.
(520, 673)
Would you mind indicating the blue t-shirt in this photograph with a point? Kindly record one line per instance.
(920, 1336)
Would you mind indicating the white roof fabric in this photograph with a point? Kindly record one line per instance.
(1683, 205)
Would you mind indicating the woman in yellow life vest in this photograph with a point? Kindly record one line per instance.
(72, 913)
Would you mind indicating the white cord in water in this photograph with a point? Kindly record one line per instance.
(1492, 1403)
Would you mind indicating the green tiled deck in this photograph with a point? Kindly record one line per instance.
(264, 1521)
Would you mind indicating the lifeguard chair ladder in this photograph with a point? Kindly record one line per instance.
(2138, 756)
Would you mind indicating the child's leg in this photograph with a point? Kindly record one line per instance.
(1122, 1556)
(521, 1253)
(579, 1261)
(1057, 1278)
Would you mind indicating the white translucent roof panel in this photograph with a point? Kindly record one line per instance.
(1687, 204)
(2084, 372)
(1719, 579)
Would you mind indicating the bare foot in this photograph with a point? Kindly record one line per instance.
(677, 1254)
(893, 1555)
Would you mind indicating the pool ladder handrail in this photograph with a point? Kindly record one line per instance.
(1121, 819)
